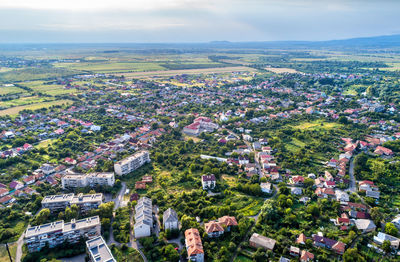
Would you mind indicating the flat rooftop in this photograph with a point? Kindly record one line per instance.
(57, 198)
(82, 223)
(132, 157)
(61, 226)
(80, 198)
(99, 250)
(45, 228)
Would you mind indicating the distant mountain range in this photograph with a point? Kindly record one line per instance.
(391, 42)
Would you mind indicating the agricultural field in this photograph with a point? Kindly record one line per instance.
(27, 74)
(111, 67)
(15, 110)
(189, 71)
(9, 90)
(48, 89)
(281, 70)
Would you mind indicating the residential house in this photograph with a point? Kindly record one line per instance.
(381, 237)
(259, 241)
(365, 225)
(342, 196)
(194, 245)
(266, 188)
(214, 229)
(306, 256)
(170, 219)
(294, 251)
(16, 185)
(301, 239)
(208, 181)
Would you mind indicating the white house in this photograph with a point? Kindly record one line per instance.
(342, 196)
(208, 181)
(95, 128)
(170, 219)
(266, 188)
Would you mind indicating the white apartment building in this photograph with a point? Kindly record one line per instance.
(143, 217)
(55, 233)
(91, 180)
(132, 162)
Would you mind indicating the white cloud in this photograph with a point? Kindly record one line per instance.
(77, 5)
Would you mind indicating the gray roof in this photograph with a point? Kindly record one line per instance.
(99, 250)
(365, 224)
(265, 242)
(170, 215)
(57, 198)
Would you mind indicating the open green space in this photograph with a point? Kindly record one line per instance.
(15, 110)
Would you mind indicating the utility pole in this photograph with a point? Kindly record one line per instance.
(8, 250)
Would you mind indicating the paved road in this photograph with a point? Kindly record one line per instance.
(119, 200)
(20, 243)
(353, 182)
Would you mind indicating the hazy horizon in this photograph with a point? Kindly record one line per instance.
(190, 21)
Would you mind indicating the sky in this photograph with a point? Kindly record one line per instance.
(149, 21)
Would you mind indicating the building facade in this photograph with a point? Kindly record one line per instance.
(170, 219)
(143, 217)
(55, 233)
(130, 164)
(194, 246)
(85, 203)
(91, 180)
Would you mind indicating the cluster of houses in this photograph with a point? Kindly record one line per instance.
(199, 125)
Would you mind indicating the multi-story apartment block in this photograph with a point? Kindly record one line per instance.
(85, 202)
(98, 250)
(143, 217)
(91, 180)
(55, 233)
(57, 202)
(132, 162)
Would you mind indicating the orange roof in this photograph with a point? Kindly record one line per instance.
(193, 242)
(213, 226)
(301, 239)
(339, 247)
(305, 255)
(228, 221)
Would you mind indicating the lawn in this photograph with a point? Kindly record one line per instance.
(317, 125)
(45, 143)
(15, 110)
(242, 258)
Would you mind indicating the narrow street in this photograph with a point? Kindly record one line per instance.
(20, 243)
(352, 186)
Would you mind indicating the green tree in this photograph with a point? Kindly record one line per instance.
(391, 229)
(386, 246)
(42, 216)
(352, 255)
